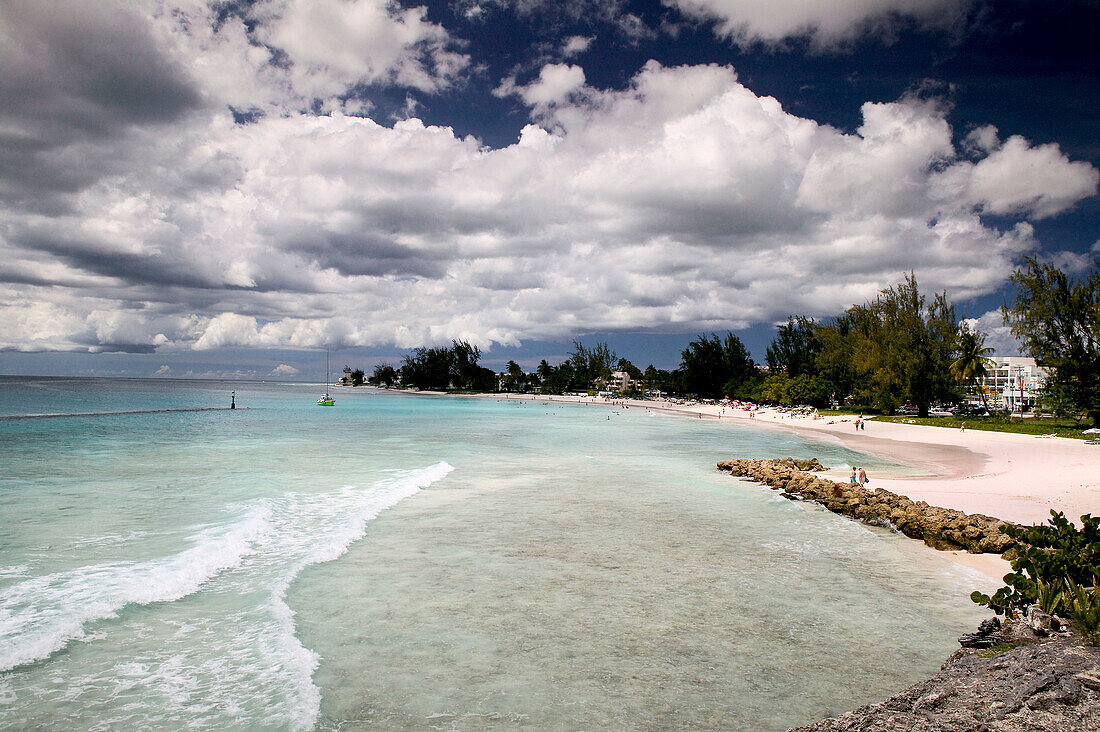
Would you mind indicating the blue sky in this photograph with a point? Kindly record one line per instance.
(196, 188)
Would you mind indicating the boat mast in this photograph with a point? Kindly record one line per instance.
(326, 400)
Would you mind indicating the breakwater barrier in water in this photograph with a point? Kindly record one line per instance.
(9, 417)
(939, 528)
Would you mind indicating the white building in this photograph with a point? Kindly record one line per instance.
(620, 381)
(1013, 383)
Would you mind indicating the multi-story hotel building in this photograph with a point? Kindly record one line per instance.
(1012, 383)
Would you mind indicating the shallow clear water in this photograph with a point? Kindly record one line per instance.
(425, 562)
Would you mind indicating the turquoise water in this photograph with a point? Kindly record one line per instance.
(420, 562)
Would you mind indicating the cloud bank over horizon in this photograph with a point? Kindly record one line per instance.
(220, 184)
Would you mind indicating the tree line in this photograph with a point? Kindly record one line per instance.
(901, 348)
(439, 368)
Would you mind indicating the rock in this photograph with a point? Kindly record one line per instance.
(1089, 678)
(940, 528)
(989, 626)
(1048, 686)
(795, 464)
(1018, 633)
(988, 635)
(1044, 624)
(977, 640)
(940, 543)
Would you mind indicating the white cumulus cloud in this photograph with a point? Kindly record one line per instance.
(827, 22)
(574, 45)
(1040, 180)
(554, 85)
(292, 52)
(684, 201)
(998, 336)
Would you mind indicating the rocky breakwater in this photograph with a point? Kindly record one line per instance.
(940, 528)
(1024, 682)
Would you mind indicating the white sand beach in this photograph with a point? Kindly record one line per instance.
(1014, 477)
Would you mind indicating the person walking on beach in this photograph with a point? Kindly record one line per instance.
(862, 477)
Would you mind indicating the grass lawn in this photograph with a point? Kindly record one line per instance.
(1030, 426)
(1044, 426)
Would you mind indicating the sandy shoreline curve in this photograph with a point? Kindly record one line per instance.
(1018, 478)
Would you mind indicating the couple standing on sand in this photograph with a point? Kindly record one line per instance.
(861, 478)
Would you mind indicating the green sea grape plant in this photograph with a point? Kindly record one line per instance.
(1052, 559)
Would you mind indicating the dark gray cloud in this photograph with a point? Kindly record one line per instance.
(73, 75)
(365, 254)
(155, 269)
(88, 67)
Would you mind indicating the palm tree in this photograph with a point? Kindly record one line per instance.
(973, 359)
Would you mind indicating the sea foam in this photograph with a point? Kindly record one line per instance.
(250, 654)
(346, 516)
(40, 616)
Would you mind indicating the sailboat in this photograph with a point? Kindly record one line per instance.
(326, 400)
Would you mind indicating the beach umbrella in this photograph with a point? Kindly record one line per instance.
(1092, 431)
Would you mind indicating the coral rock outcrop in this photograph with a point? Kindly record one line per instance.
(1025, 684)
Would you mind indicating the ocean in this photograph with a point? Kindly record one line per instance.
(425, 562)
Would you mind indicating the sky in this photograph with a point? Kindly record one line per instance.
(229, 189)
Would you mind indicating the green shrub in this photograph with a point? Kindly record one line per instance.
(1050, 561)
(1048, 596)
(1082, 604)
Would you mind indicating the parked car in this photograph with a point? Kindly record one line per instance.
(907, 411)
(970, 410)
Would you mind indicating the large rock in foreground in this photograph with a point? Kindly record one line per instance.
(1049, 686)
(941, 528)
